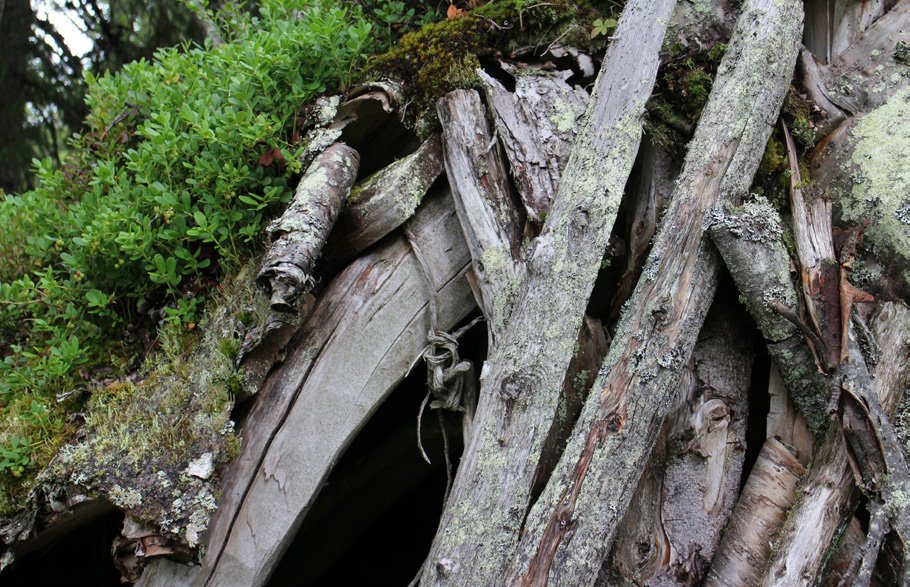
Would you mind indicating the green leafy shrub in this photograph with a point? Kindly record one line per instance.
(183, 159)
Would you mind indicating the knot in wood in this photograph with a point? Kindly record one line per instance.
(579, 224)
(446, 567)
(514, 386)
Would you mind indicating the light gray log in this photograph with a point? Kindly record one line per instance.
(829, 493)
(366, 330)
(694, 475)
(383, 202)
(571, 528)
(521, 382)
(298, 236)
(476, 170)
(750, 242)
(537, 124)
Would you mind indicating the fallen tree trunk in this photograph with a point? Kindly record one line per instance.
(571, 529)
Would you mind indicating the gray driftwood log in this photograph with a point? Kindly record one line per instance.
(521, 381)
(570, 530)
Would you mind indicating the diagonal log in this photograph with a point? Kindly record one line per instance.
(750, 242)
(571, 528)
(298, 236)
(522, 379)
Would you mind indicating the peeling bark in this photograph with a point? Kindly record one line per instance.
(759, 515)
(829, 495)
(298, 236)
(571, 528)
(674, 523)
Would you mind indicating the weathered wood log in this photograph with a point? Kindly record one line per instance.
(522, 379)
(476, 169)
(366, 330)
(750, 242)
(571, 528)
(829, 495)
(537, 124)
(298, 236)
(383, 202)
(759, 515)
(688, 492)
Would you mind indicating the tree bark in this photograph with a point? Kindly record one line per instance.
(572, 526)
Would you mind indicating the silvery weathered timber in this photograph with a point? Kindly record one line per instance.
(570, 530)
(384, 201)
(364, 333)
(521, 381)
(298, 235)
(537, 124)
(476, 170)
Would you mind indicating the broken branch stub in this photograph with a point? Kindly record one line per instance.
(298, 236)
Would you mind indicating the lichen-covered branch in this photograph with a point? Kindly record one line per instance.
(571, 528)
(383, 202)
(522, 379)
(750, 242)
(298, 236)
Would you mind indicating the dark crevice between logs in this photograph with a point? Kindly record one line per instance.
(80, 557)
(376, 519)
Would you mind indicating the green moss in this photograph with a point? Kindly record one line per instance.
(441, 57)
(680, 94)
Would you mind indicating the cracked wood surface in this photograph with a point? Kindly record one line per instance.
(537, 124)
(366, 330)
(673, 525)
(521, 381)
(571, 528)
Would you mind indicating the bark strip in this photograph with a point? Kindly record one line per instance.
(383, 202)
(522, 380)
(758, 517)
(572, 527)
(298, 236)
